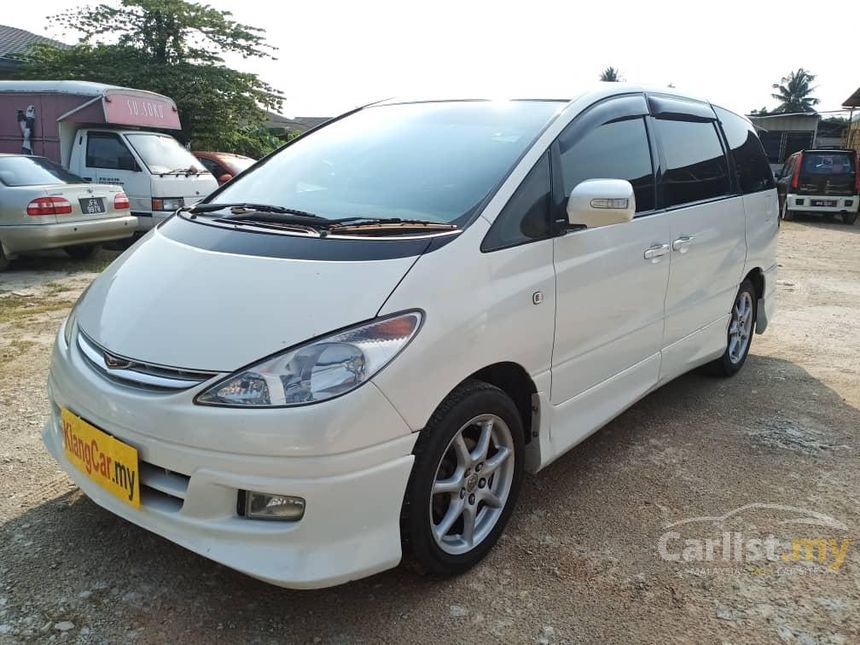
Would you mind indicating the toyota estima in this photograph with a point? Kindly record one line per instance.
(351, 353)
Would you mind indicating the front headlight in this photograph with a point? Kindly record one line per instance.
(167, 203)
(70, 324)
(321, 369)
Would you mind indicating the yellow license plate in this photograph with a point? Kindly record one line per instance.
(109, 462)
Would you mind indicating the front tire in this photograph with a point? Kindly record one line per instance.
(849, 218)
(740, 332)
(4, 261)
(467, 475)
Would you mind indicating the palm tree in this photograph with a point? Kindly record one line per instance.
(611, 75)
(794, 92)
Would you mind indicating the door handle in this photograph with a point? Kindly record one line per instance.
(682, 244)
(656, 251)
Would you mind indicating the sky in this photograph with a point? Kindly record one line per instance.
(335, 55)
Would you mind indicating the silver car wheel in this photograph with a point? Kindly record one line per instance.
(472, 484)
(740, 328)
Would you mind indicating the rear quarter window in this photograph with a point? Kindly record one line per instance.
(751, 164)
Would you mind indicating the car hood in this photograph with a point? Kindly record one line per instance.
(173, 304)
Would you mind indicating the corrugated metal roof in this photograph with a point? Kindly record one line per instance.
(15, 41)
(853, 100)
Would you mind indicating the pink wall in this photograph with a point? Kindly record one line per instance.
(49, 107)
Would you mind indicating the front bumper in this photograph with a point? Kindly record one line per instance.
(39, 237)
(189, 492)
(147, 220)
(848, 204)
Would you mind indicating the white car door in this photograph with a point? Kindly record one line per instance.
(108, 160)
(611, 281)
(706, 216)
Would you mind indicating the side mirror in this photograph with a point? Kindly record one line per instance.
(223, 179)
(601, 202)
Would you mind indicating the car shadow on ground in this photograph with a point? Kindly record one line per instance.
(833, 222)
(58, 262)
(584, 527)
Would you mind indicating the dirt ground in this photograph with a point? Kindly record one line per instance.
(581, 560)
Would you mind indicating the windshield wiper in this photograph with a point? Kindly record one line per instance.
(390, 223)
(190, 170)
(246, 210)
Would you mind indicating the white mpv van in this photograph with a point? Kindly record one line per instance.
(352, 353)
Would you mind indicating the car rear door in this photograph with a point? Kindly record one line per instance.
(611, 281)
(706, 218)
(829, 173)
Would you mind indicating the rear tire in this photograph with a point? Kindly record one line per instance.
(849, 218)
(81, 251)
(740, 332)
(465, 481)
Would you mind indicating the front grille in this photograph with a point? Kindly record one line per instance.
(162, 489)
(137, 373)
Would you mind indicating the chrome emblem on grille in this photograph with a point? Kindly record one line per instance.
(114, 363)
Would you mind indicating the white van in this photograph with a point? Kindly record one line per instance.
(353, 352)
(107, 135)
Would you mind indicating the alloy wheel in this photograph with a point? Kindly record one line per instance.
(472, 484)
(740, 328)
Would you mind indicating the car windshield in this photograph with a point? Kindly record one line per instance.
(162, 153)
(827, 163)
(34, 171)
(431, 161)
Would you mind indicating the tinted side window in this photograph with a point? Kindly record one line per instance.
(696, 167)
(751, 164)
(212, 167)
(526, 216)
(614, 150)
(106, 150)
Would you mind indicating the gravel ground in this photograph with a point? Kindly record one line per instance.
(580, 561)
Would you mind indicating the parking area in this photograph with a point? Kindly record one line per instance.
(588, 555)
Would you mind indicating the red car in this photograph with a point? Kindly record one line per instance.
(224, 165)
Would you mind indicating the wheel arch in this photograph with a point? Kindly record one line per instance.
(756, 276)
(513, 379)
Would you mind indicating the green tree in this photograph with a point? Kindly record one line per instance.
(175, 48)
(794, 92)
(762, 111)
(611, 75)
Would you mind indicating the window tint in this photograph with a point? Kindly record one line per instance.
(106, 150)
(526, 215)
(696, 167)
(34, 171)
(614, 150)
(212, 167)
(751, 164)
